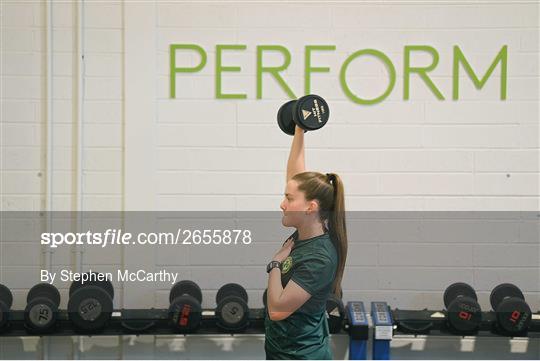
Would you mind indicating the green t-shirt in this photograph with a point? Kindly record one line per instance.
(312, 264)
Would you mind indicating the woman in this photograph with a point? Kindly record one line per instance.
(309, 266)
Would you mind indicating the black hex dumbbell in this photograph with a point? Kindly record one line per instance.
(232, 309)
(41, 309)
(309, 112)
(90, 304)
(185, 311)
(464, 314)
(6, 300)
(513, 313)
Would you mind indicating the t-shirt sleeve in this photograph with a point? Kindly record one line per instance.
(314, 274)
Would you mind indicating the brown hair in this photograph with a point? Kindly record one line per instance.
(328, 190)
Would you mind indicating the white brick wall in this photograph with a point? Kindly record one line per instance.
(478, 153)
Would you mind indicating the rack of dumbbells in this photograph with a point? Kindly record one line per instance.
(90, 312)
(510, 315)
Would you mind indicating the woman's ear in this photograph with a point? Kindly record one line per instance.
(313, 206)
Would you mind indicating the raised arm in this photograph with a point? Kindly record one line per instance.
(296, 163)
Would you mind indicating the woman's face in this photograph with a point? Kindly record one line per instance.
(295, 206)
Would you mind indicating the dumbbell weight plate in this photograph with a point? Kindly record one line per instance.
(6, 301)
(185, 310)
(106, 285)
(40, 315)
(336, 313)
(185, 287)
(311, 112)
(90, 308)
(5, 296)
(231, 289)
(41, 309)
(458, 289)
(185, 313)
(285, 118)
(44, 290)
(232, 313)
(464, 314)
(504, 290)
(514, 315)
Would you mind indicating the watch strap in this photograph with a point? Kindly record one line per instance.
(273, 264)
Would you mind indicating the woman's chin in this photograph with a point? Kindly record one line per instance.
(286, 222)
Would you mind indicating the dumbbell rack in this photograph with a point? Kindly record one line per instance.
(136, 322)
(433, 323)
(157, 322)
(133, 322)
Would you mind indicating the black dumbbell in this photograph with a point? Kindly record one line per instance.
(264, 297)
(90, 304)
(335, 312)
(41, 309)
(464, 314)
(6, 300)
(309, 112)
(513, 313)
(185, 309)
(232, 309)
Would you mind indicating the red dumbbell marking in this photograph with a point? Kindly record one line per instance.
(184, 316)
(514, 317)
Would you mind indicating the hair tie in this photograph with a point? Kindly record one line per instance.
(331, 178)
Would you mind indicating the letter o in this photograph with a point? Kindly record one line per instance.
(375, 53)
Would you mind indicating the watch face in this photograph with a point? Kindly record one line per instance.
(271, 265)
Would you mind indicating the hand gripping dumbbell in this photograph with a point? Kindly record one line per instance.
(309, 112)
(41, 310)
(513, 313)
(6, 300)
(185, 311)
(464, 314)
(90, 304)
(232, 309)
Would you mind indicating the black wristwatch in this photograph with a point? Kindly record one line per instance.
(272, 265)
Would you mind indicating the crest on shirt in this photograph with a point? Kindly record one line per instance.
(286, 265)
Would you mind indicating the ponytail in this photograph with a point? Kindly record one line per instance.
(338, 230)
